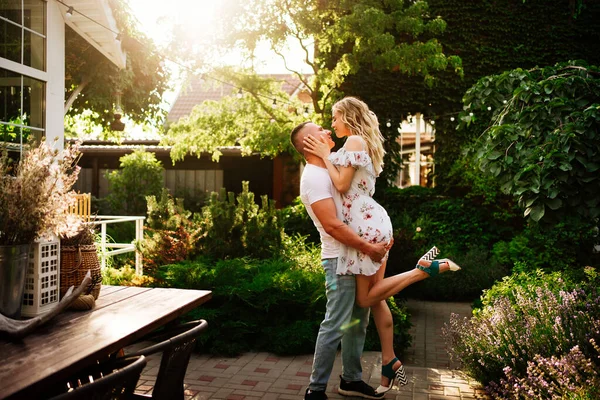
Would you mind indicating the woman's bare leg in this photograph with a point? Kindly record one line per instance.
(385, 325)
(369, 294)
(385, 328)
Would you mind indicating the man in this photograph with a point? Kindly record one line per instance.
(344, 321)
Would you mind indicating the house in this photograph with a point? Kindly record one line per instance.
(32, 62)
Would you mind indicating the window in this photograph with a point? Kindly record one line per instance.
(22, 51)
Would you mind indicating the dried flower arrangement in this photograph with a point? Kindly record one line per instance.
(35, 194)
(85, 235)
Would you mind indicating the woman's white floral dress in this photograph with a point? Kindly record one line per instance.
(361, 212)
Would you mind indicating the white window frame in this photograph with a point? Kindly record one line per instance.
(25, 70)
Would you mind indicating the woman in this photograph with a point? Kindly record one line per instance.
(353, 170)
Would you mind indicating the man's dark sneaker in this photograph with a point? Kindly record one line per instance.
(358, 389)
(315, 395)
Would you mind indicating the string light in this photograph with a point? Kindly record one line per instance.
(305, 111)
(118, 37)
(240, 94)
(452, 119)
(489, 108)
(70, 11)
(274, 105)
(388, 123)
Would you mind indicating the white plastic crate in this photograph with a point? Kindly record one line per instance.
(42, 283)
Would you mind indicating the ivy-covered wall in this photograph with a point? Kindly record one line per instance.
(491, 36)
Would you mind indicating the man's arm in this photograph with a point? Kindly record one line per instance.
(326, 213)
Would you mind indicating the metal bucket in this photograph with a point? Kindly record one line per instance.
(13, 269)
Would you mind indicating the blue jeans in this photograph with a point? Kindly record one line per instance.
(344, 322)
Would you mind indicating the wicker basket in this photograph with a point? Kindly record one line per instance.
(75, 261)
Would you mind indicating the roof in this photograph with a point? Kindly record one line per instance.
(103, 39)
(198, 90)
(109, 147)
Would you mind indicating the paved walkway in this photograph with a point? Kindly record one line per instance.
(254, 376)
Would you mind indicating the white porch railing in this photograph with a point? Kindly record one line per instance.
(119, 248)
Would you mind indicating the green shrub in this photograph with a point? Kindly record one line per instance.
(526, 281)
(273, 305)
(560, 248)
(140, 175)
(237, 227)
(124, 276)
(170, 236)
(296, 221)
(463, 228)
(478, 272)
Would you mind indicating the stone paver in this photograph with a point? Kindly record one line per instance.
(269, 377)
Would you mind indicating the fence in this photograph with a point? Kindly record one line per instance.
(119, 248)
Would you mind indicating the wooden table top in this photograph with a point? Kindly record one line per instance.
(75, 339)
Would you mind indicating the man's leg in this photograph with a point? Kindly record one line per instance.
(353, 343)
(340, 291)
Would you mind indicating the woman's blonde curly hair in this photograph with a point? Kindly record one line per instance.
(363, 122)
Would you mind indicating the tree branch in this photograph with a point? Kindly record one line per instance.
(85, 80)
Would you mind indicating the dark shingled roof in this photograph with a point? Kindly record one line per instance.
(199, 90)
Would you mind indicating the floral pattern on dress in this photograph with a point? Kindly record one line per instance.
(361, 212)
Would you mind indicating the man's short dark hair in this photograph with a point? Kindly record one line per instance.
(294, 135)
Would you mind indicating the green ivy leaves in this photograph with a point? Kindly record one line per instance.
(542, 140)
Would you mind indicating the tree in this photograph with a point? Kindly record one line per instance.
(337, 38)
(542, 140)
(340, 37)
(93, 82)
(251, 121)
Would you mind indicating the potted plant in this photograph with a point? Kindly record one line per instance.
(35, 196)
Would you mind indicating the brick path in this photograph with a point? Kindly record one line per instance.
(266, 376)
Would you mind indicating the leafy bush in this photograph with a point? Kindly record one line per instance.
(541, 141)
(478, 272)
(462, 228)
(124, 276)
(170, 236)
(534, 321)
(237, 227)
(273, 305)
(296, 221)
(141, 175)
(566, 244)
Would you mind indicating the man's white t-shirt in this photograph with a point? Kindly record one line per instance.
(315, 185)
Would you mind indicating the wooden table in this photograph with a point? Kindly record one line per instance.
(75, 339)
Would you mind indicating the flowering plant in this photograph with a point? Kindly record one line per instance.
(35, 193)
(538, 341)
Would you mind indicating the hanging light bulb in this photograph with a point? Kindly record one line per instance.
(119, 37)
(504, 102)
(305, 112)
(452, 119)
(117, 124)
(489, 108)
(272, 120)
(470, 114)
(432, 122)
(69, 12)
(388, 123)
(274, 105)
(240, 94)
